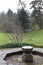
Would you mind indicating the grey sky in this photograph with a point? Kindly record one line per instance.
(12, 4)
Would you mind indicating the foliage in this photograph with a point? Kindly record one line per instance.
(37, 6)
(14, 45)
(23, 17)
(34, 38)
(15, 24)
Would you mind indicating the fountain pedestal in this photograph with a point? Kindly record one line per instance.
(27, 54)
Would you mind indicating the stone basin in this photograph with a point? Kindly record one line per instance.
(16, 53)
(27, 48)
(17, 60)
(27, 54)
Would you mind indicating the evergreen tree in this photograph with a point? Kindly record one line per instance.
(10, 15)
(23, 17)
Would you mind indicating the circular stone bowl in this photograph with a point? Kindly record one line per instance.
(27, 48)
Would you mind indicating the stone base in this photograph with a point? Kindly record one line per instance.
(27, 57)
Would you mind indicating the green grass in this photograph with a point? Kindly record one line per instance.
(32, 38)
(4, 39)
(36, 36)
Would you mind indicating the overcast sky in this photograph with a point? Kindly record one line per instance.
(12, 4)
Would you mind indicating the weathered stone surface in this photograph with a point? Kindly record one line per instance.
(27, 54)
(27, 57)
(3, 54)
(8, 51)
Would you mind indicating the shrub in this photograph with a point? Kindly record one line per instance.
(14, 45)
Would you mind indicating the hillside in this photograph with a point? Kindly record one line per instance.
(35, 38)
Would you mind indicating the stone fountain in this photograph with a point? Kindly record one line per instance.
(27, 54)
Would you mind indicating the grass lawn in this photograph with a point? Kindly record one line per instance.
(35, 38)
(4, 39)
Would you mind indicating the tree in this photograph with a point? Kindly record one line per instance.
(10, 14)
(23, 16)
(12, 20)
(37, 6)
(14, 27)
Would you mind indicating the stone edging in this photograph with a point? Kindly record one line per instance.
(37, 51)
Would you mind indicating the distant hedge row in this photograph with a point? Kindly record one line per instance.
(14, 45)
